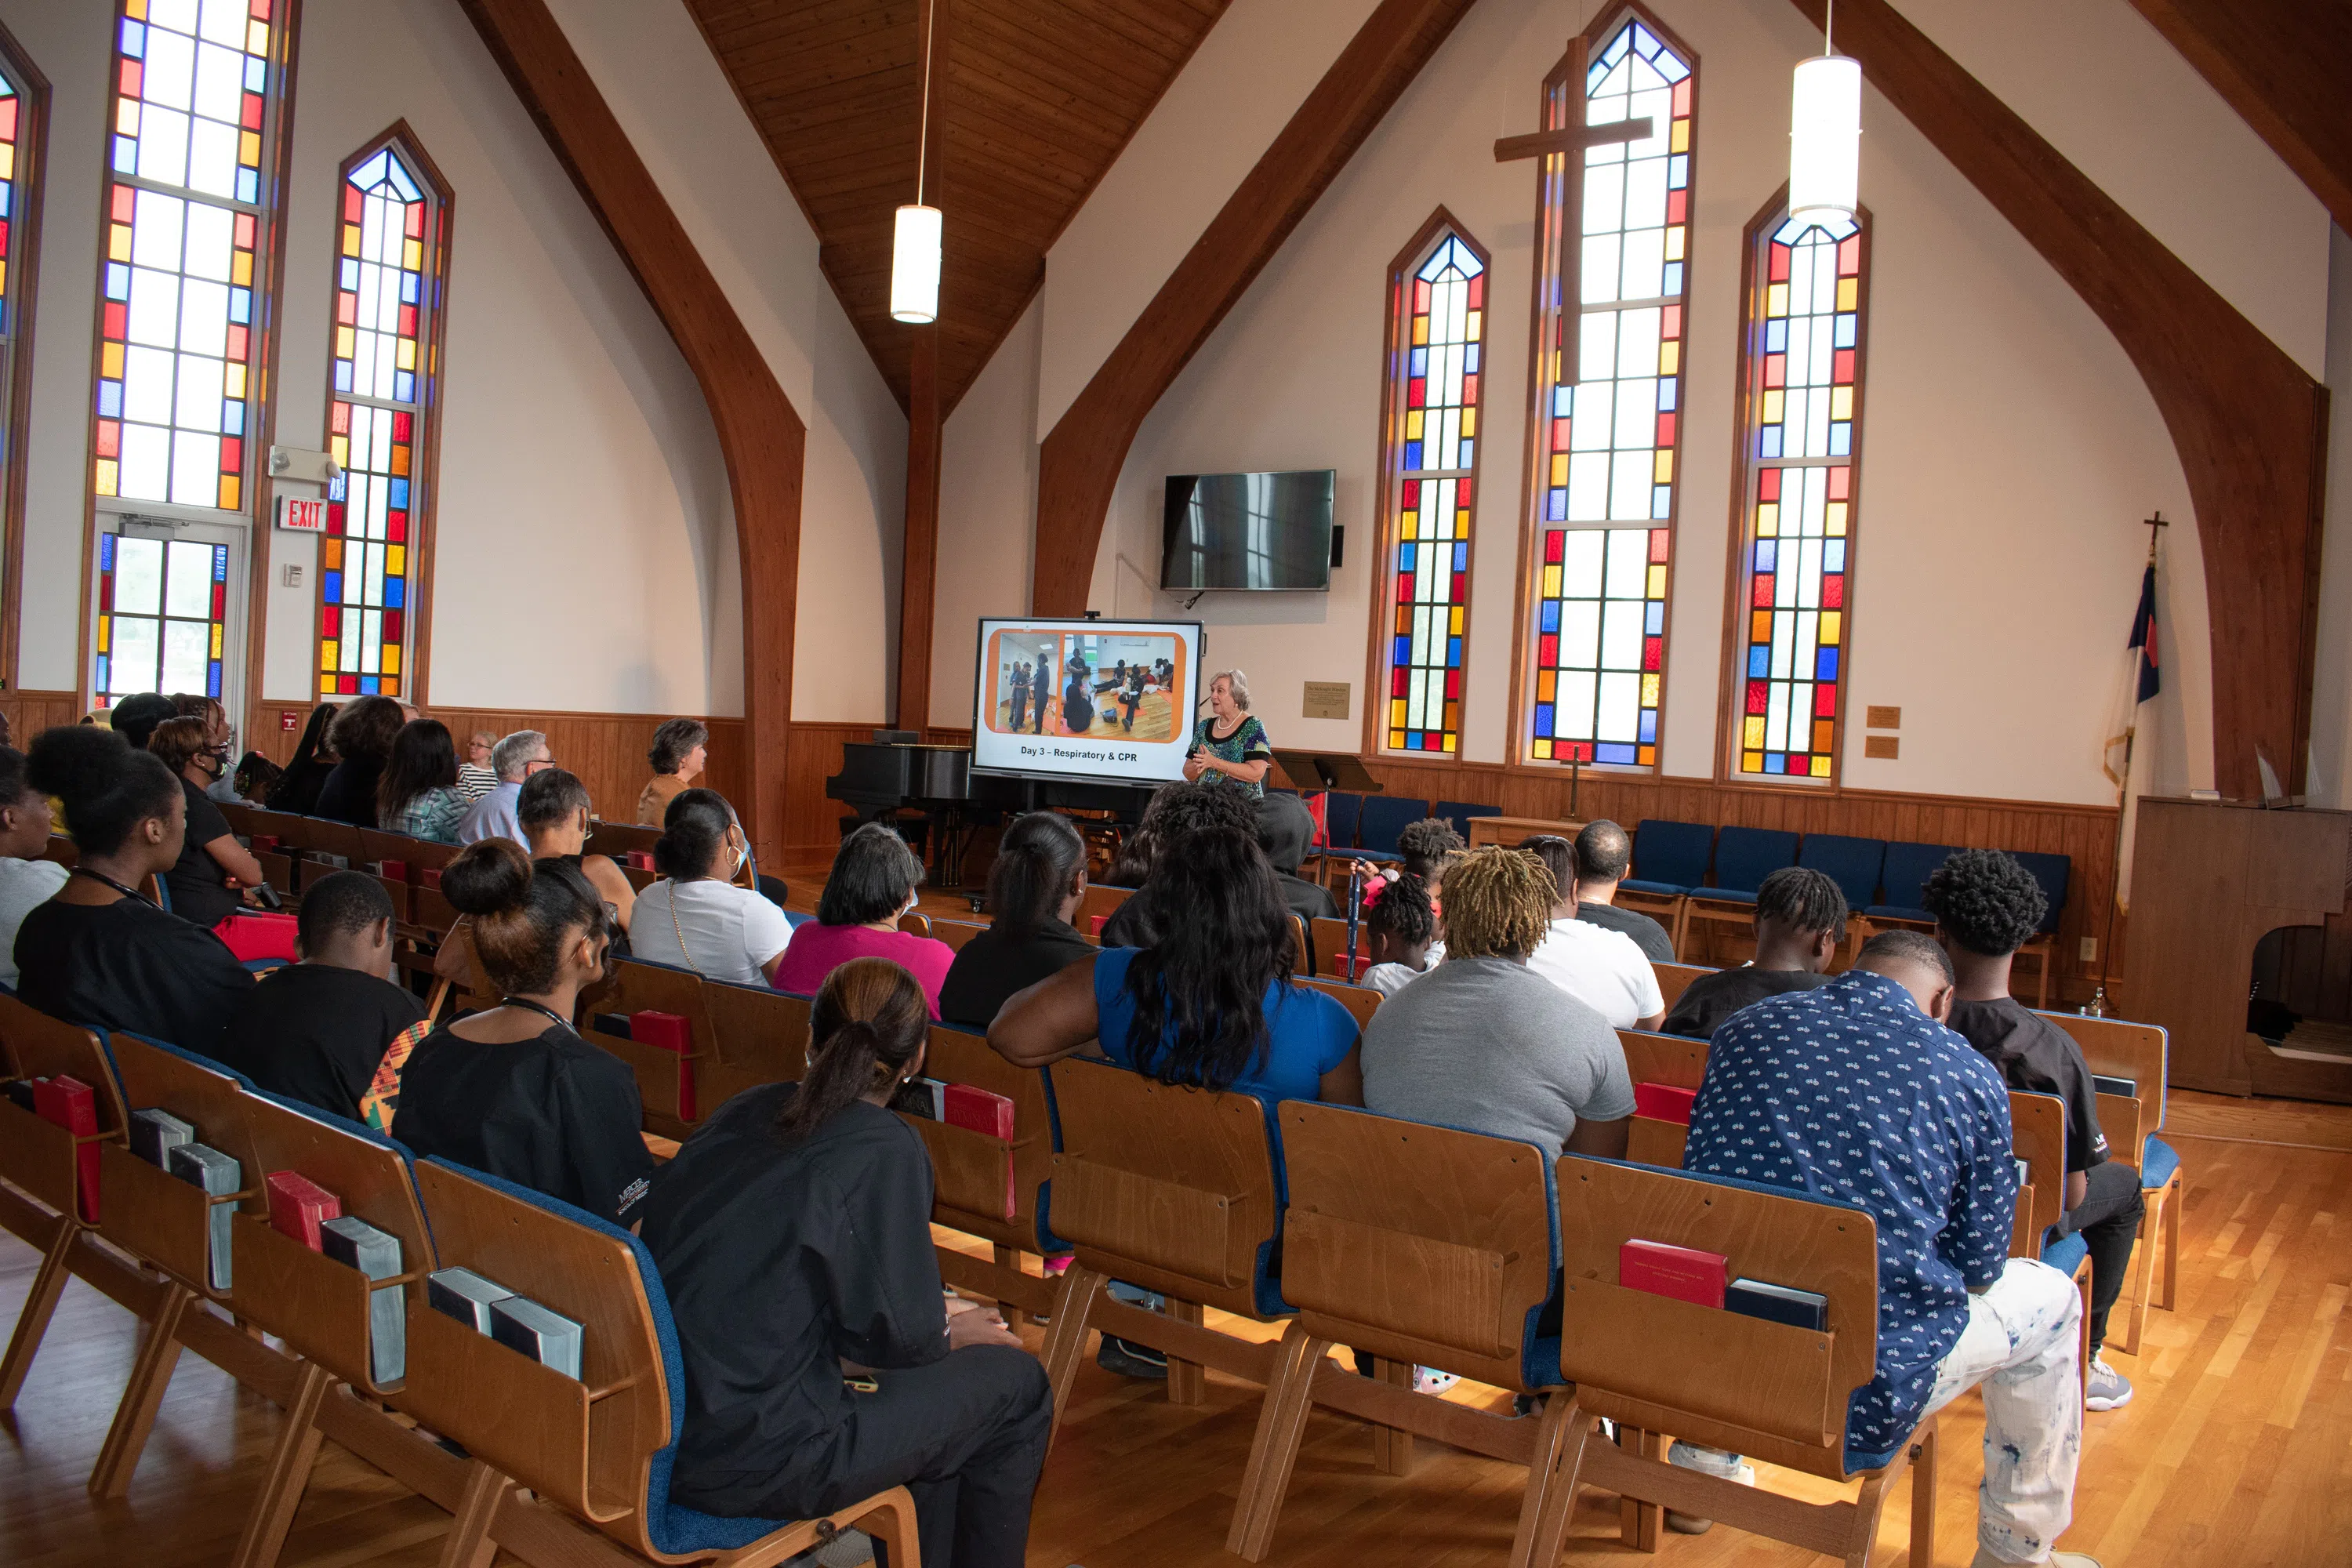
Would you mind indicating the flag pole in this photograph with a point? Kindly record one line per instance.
(2099, 1006)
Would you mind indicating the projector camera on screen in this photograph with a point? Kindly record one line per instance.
(1109, 702)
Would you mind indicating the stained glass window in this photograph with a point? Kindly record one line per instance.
(1608, 444)
(1804, 364)
(163, 612)
(1439, 307)
(386, 283)
(18, 130)
(193, 96)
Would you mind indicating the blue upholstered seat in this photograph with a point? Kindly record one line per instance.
(2067, 1254)
(1341, 810)
(1670, 858)
(2054, 872)
(1909, 867)
(166, 1046)
(2158, 1163)
(1460, 812)
(1854, 864)
(1744, 857)
(1382, 819)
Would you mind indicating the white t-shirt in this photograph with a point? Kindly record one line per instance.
(1388, 979)
(728, 933)
(1602, 968)
(22, 884)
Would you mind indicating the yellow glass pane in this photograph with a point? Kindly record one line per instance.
(104, 478)
(1650, 690)
(241, 269)
(1396, 710)
(1670, 358)
(392, 659)
(1420, 331)
(1550, 578)
(256, 38)
(339, 448)
(404, 355)
(1776, 300)
(217, 639)
(110, 362)
(1469, 423)
(1662, 466)
(1412, 425)
(1449, 737)
(7, 161)
(350, 239)
(1559, 469)
(1474, 326)
(117, 242)
(1841, 402)
(1768, 519)
(228, 492)
(1396, 739)
(327, 660)
(1820, 767)
(105, 626)
(126, 117)
(1656, 588)
(344, 341)
(1849, 292)
(1752, 731)
(1678, 138)
(135, 10)
(396, 560)
(1833, 518)
(249, 149)
(412, 256)
(1832, 622)
(1752, 762)
(1674, 242)
(1772, 406)
(1540, 751)
(1454, 628)
(233, 379)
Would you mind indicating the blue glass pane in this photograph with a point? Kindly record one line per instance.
(1404, 652)
(349, 274)
(395, 592)
(1420, 363)
(1556, 509)
(1662, 502)
(1673, 278)
(1845, 331)
(1543, 721)
(404, 385)
(1412, 457)
(110, 400)
(212, 680)
(331, 587)
(1775, 762)
(1654, 621)
(1667, 395)
(232, 416)
(1759, 662)
(248, 186)
(1453, 652)
(1612, 751)
(1649, 726)
(1833, 555)
(1405, 557)
(1467, 448)
(1462, 556)
(1470, 360)
(1550, 617)
(343, 376)
(1841, 440)
(134, 39)
(1764, 553)
(102, 674)
(1412, 742)
(367, 686)
(256, 74)
(1825, 665)
(1677, 174)
(408, 288)
(126, 155)
(240, 306)
(106, 553)
(1768, 441)
(398, 495)
(1563, 400)
(1775, 336)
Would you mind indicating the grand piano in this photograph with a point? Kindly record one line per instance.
(895, 772)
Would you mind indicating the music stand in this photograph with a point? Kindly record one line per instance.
(1310, 771)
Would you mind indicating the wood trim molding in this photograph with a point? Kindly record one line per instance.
(2248, 423)
(2282, 66)
(24, 262)
(1078, 468)
(761, 433)
(1394, 351)
(260, 489)
(919, 544)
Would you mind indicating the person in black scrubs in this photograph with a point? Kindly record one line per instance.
(297, 787)
(1041, 686)
(99, 952)
(362, 735)
(213, 865)
(1036, 888)
(515, 1091)
(1018, 700)
(792, 1232)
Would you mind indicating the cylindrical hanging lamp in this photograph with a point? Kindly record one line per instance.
(1825, 138)
(915, 241)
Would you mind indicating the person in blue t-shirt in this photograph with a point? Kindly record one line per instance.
(1210, 1006)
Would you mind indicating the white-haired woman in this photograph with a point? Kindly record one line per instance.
(1230, 746)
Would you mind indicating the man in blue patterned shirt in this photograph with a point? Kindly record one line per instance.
(1857, 1091)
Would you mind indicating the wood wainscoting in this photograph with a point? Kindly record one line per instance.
(30, 712)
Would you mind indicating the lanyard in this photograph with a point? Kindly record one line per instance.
(537, 1008)
(102, 877)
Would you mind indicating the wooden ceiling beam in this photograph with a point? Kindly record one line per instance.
(761, 435)
(1080, 464)
(2247, 422)
(2285, 66)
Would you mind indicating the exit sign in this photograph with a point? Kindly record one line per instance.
(301, 516)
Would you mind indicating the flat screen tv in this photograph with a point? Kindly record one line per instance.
(1248, 531)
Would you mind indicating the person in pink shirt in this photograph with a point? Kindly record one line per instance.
(873, 882)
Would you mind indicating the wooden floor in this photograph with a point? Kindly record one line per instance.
(2237, 1453)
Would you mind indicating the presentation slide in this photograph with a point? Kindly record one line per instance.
(1110, 701)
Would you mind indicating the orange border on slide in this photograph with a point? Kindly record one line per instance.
(1061, 634)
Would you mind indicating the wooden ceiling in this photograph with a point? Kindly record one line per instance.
(1033, 100)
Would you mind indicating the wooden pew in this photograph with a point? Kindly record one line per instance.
(1674, 1059)
(915, 923)
(990, 1187)
(956, 933)
(585, 1449)
(1362, 1001)
(1100, 902)
(758, 1035)
(619, 838)
(45, 1161)
(1421, 1245)
(1763, 1389)
(1674, 978)
(640, 987)
(1173, 1190)
(2118, 1048)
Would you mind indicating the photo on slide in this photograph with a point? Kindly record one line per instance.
(1022, 668)
(1105, 686)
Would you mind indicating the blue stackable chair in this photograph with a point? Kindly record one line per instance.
(1854, 864)
(1341, 809)
(1905, 880)
(1460, 813)
(1670, 860)
(2054, 872)
(1383, 817)
(1744, 857)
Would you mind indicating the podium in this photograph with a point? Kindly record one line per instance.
(2210, 880)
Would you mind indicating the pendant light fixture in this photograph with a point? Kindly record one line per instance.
(1825, 132)
(914, 243)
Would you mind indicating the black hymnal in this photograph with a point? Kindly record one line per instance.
(155, 1133)
(218, 1175)
(20, 1094)
(547, 1337)
(2126, 1087)
(1778, 1303)
(613, 1024)
(462, 1294)
(376, 1254)
(923, 1097)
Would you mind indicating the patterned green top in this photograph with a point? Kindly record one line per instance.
(1249, 743)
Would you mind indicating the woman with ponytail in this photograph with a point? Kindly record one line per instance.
(101, 951)
(515, 1091)
(792, 1233)
(1035, 888)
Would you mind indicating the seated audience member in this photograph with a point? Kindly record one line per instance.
(203, 883)
(26, 880)
(553, 810)
(99, 952)
(1175, 810)
(476, 777)
(1800, 919)
(1210, 1005)
(679, 748)
(872, 883)
(793, 1231)
(1286, 830)
(1987, 906)
(256, 778)
(135, 717)
(297, 789)
(1035, 888)
(362, 735)
(1400, 928)
(515, 758)
(1602, 969)
(1485, 1043)
(333, 1030)
(418, 794)
(1604, 853)
(220, 739)
(697, 915)
(1857, 1091)
(515, 1091)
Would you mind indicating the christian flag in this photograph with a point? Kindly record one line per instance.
(2143, 638)
(2128, 749)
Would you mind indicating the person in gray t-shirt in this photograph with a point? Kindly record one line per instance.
(1482, 1043)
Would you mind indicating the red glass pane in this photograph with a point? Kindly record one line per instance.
(1420, 296)
(250, 115)
(1834, 591)
(1760, 696)
(1842, 367)
(347, 685)
(334, 516)
(1779, 262)
(1398, 677)
(236, 344)
(400, 426)
(1762, 597)
(1825, 700)
(1478, 292)
(408, 320)
(396, 527)
(130, 82)
(1677, 204)
(1547, 649)
(1415, 392)
(1469, 391)
(1682, 98)
(1661, 540)
(1404, 587)
(1776, 370)
(245, 231)
(331, 622)
(125, 203)
(1454, 682)
(1670, 322)
(110, 438)
(1838, 479)
(412, 222)
(1850, 256)
(347, 307)
(117, 322)
(1555, 545)
(391, 627)
(1666, 429)
(220, 600)
(1650, 652)
(1768, 485)
(232, 454)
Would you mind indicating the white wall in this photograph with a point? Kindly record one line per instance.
(2009, 449)
(985, 543)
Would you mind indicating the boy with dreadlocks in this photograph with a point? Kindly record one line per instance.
(1800, 921)
(1484, 1042)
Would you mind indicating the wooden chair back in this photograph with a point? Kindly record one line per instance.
(44, 1159)
(147, 1212)
(1674, 978)
(955, 933)
(618, 838)
(1362, 1001)
(1674, 1059)
(1423, 1245)
(914, 922)
(1171, 1189)
(240, 815)
(278, 871)
(757, 1035)
(639, 987)
(1330, 941)
(1099, 902)
(1302, 950)
(38, 1046)
(586, 1444)
(639, 878)
(280, 825)
(1761, 1388)
(403, 896)
(377, 845)
(2118, 1048)
(988, 1186)
(2037, 1132)
(431, 910)
(318, 1306)
(318, 835)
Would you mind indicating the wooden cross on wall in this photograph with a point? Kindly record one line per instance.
(1573, 139)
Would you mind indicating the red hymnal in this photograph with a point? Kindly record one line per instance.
(429, 877)
(66, 1103)
(977, 1111)
(393, 870)
(298, 1206)
(1664, 1102)
(1662, 1269)
(671, 1033)
(1095, 925)
(636, 859)
(262, 843)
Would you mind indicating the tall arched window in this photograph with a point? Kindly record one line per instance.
(1606, 446)
(1802, 381)
(392, 253)
(24, 100)
(183, 311)
(1437, 313)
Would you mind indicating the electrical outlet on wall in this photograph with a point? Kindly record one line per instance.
(2090, 950)
(290, 575)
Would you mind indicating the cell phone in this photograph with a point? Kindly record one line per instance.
(269, 896)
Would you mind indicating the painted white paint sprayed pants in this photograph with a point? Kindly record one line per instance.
(2022, 1344)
